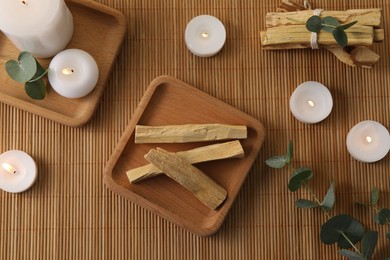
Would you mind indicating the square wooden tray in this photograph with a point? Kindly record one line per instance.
(170, 101)
(98, 30)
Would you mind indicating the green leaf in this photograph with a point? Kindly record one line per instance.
(334, 230)
(290, 150)
(277, 162)
(306, 204)
(39, 73)
(383, 216)
(330, 230)
(346, 26)
(36, 89)
(388, 235)
(329, 24)
(374, 196)
(23, 69)
(350, 254)
(330, 198)
(313, 24)
(298, 177)
(354, 232)
(341, 37)
(369, 241)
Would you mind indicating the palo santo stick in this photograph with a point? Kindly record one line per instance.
(188, 133)
(207, 153)
(378, 36)
(190, 177)
(370, 17)
(298, 34)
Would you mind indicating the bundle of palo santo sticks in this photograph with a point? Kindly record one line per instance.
(286, 29)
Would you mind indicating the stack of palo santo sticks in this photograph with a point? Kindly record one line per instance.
(286, 29)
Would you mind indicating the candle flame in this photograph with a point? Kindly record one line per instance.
(369, 139)
(311, 103)
(9, 168)
(205, 35)
(67, 71)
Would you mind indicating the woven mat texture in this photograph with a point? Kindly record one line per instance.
(70, 214)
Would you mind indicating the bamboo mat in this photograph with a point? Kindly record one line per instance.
(70, 214)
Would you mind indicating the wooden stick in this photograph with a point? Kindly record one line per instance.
(370, 17)
(190, 177)
(298, 34)
(188, 133)
(207, 153)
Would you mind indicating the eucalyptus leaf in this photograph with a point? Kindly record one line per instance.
(290, 150)
(374, 196)
(41, 72)
(23, 69)
(277, 162)
(341, 37)
(351, 255)
(313, 24)
(346, 26)
(369, 242)
(329, 24)
(354, 233)
(306, 204)
(36, 89)
(383, 216)
(330, 198)
(330, 230)
(298, 177)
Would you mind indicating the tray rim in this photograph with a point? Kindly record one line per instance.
(96, 94)
(146, 204)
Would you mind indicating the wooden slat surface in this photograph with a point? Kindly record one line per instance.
(70, 214)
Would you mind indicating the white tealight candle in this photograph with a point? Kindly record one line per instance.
(73, 73)
(41, 27)
(311, 102)
(368, 141)
(205, 35)
(18, 171)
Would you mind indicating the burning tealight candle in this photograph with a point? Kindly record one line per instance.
(205, 35)
(368, 141)
(311, 102)
(73, 73)
(42, 27)
(18, 171)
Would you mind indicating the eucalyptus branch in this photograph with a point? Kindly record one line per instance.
(341, 229)
(26, 69)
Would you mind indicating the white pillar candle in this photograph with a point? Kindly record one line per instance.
(41, 27)
(368, 141)
(18, 171)
(73, 73)
(311, 102)
(205, 35)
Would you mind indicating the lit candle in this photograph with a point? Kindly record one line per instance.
(73, 73)
(41, 27)
(18, 171)
(368, 141)
(205, 35)
(311, 102)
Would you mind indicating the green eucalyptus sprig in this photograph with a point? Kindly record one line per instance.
(342, 229)
(331, 25)
(382, 215)
(26, 69)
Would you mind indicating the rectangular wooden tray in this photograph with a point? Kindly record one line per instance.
(98, 30)
(170, 101)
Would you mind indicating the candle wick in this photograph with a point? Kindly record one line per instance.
(24, 2)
